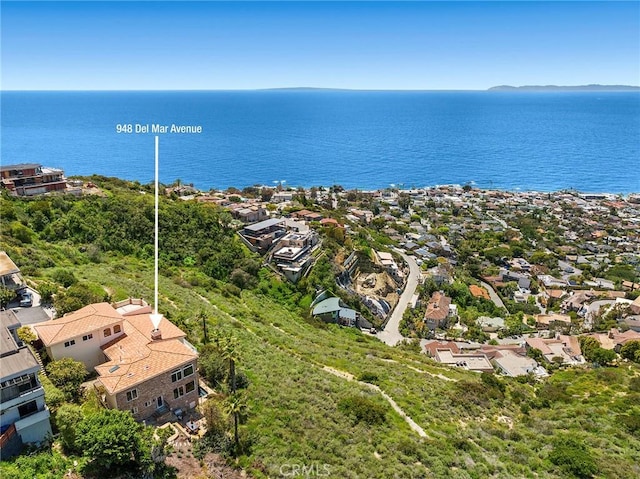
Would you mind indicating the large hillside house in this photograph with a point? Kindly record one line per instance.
(140, 368)
(24, 416)
(438, 311)
(28, 179)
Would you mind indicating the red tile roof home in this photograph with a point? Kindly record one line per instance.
(329, 221)
(478, 292)
(90, 318)
(135, 358)
(556, 293)
(433, 346)
(139, 356)
(438, 307)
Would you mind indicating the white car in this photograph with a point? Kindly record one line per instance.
(26, 299)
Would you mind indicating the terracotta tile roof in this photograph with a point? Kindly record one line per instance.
(85, 320)
(135, 358)
(142, 323)
(478, 292)
(556, 293)
(433, 346)
(438, 307)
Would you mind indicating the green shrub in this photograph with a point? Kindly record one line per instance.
(65, 277)
(368, 377)
(363, 409)
(573, 457)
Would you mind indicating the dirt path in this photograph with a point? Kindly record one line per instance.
(394, 405)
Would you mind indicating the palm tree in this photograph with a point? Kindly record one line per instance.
(228, 347)
(237, 407)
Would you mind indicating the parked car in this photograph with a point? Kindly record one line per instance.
(26, 299)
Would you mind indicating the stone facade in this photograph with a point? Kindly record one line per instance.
(147, 393)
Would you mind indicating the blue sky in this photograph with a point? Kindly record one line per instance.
(361, 45)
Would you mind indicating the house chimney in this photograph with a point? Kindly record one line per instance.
(156, 334)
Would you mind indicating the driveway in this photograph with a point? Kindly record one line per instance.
(493, 295)
(391, 333)
(33, 314)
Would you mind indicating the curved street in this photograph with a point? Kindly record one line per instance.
(391, 333)
(493, 295)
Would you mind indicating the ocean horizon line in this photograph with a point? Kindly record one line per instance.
(595, 88)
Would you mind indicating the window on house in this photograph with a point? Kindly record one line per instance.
(27, 409)
(134, 410)
(69, 343)
(117, 329)
(176, 376)
(148, 403)
(188, 371)
(107, 332)
(178, 392)
(87, 337)
(131, 395)
(190, 386)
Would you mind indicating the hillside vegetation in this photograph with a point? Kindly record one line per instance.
(310, 397)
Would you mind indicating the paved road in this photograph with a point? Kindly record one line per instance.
(32, 314)
(391, 334)
(493, 295)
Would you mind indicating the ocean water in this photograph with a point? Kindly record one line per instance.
(543, 141)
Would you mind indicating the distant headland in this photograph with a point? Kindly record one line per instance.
(565, 88)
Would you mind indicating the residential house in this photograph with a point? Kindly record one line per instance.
(390, 265)
(511, 363)
(28, 179)
(635, 306)
(440, 275)
(332, 310)
(330, 222)
(24, 416)
(438, 311)
(82, 334)
(293, 256)
(566, 348)
(523, 280)
(545, 321)
(490, 325)
(249, 214)
(307, 215)
(614, 339)
(520, 264)
(476, 362)
(577, 300)
(479, 292)
(260, 236)
(141, 368)
(630, 286)
(10, 276)
(432, 346)
(282, 196)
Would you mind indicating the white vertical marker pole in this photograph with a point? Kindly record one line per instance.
(156, 317)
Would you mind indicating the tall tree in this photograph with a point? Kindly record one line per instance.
(236, 406)
(113, 440)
